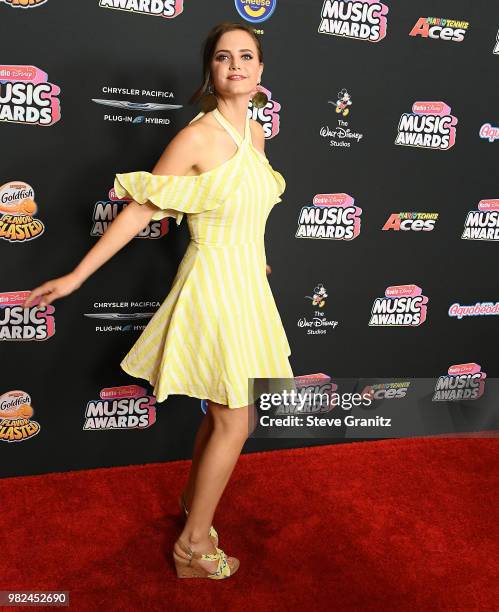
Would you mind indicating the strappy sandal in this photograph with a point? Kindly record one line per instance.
(212, 532)
(191, 568)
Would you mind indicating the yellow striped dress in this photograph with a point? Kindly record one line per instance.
(219, 325)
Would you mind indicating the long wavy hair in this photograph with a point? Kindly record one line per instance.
(208, 50)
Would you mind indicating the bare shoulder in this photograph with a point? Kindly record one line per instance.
(181, 155)
(257, 135)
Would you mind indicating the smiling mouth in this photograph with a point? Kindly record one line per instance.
(236, 78)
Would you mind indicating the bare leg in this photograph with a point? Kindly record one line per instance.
(221, 452)
(202, 437)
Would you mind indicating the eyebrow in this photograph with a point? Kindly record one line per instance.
(227, 50)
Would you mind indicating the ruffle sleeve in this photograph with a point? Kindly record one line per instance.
(172, 195)
(280, 185)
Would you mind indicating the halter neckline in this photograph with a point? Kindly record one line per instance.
(231, 129)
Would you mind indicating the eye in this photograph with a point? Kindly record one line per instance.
(224, 55)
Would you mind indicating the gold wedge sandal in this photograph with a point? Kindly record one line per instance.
(189, 567)
(212, 532)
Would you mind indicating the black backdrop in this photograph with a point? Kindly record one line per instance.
(70, 165)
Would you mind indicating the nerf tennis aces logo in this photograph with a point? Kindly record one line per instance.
(429, 126)
(157, 8)
(401, 306)
(351, 19)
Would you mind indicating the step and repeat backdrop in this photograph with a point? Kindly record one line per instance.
(383, 117)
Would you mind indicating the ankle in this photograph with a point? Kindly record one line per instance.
(197, 538)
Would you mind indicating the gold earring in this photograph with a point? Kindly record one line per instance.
(260, 99)
(209, 100)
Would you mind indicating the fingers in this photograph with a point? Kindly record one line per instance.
(45, 291)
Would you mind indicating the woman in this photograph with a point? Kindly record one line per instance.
(199, 343)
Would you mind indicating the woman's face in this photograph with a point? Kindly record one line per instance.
(235, 54)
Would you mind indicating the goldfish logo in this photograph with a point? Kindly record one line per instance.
(351, 19)
(429, 126)
(31, 323)
(156, 8)
(465, 381)
(27, 97)
(24, 3)
(16, 411)
(127, 407)
(17, 207)
(255, 11)
(402, 305)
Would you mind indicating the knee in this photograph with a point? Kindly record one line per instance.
(231, 422)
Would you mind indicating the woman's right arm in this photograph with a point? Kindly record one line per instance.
(179, 157)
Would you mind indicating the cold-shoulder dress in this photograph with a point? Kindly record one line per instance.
(219, 325)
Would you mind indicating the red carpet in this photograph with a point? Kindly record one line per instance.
(394, 524)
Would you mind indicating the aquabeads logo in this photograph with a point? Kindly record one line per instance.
(332, 216)
(482, 224)
(341, 135)
(156, 8)
(489, 132)
(401, 306)
(429, 126)
(319, 323)
(25, 4)
(16, 424)
(439, 28)
(31, 323)
(474, 310)
(255, 11)
(127, 407)
(27, 97)
(17, 207)
(465, 381)
(411, 221)
(105, 211)
(351, 19)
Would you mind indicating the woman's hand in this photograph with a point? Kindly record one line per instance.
(53, 289)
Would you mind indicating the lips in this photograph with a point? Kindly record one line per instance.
(237, 77)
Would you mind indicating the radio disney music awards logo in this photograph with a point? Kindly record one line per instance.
(386, 391)
(474, 310)
(401, 306)
(156, 8)
(136, 107)
(332, 216)
(341, 135)
(411, 221)
(126, 407)
(255, 11)
(465, 381)
(268, 115)
(317, 393)
(26, 96)
(319, 323)
(439, 28)
(111, 320)
(17, 207)
(483, 224)
(351, 19)
(25, 4)
(105, 211)
(495, 50)
(16, 423)
(31, 323)
(429, 126)
(489, 132)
